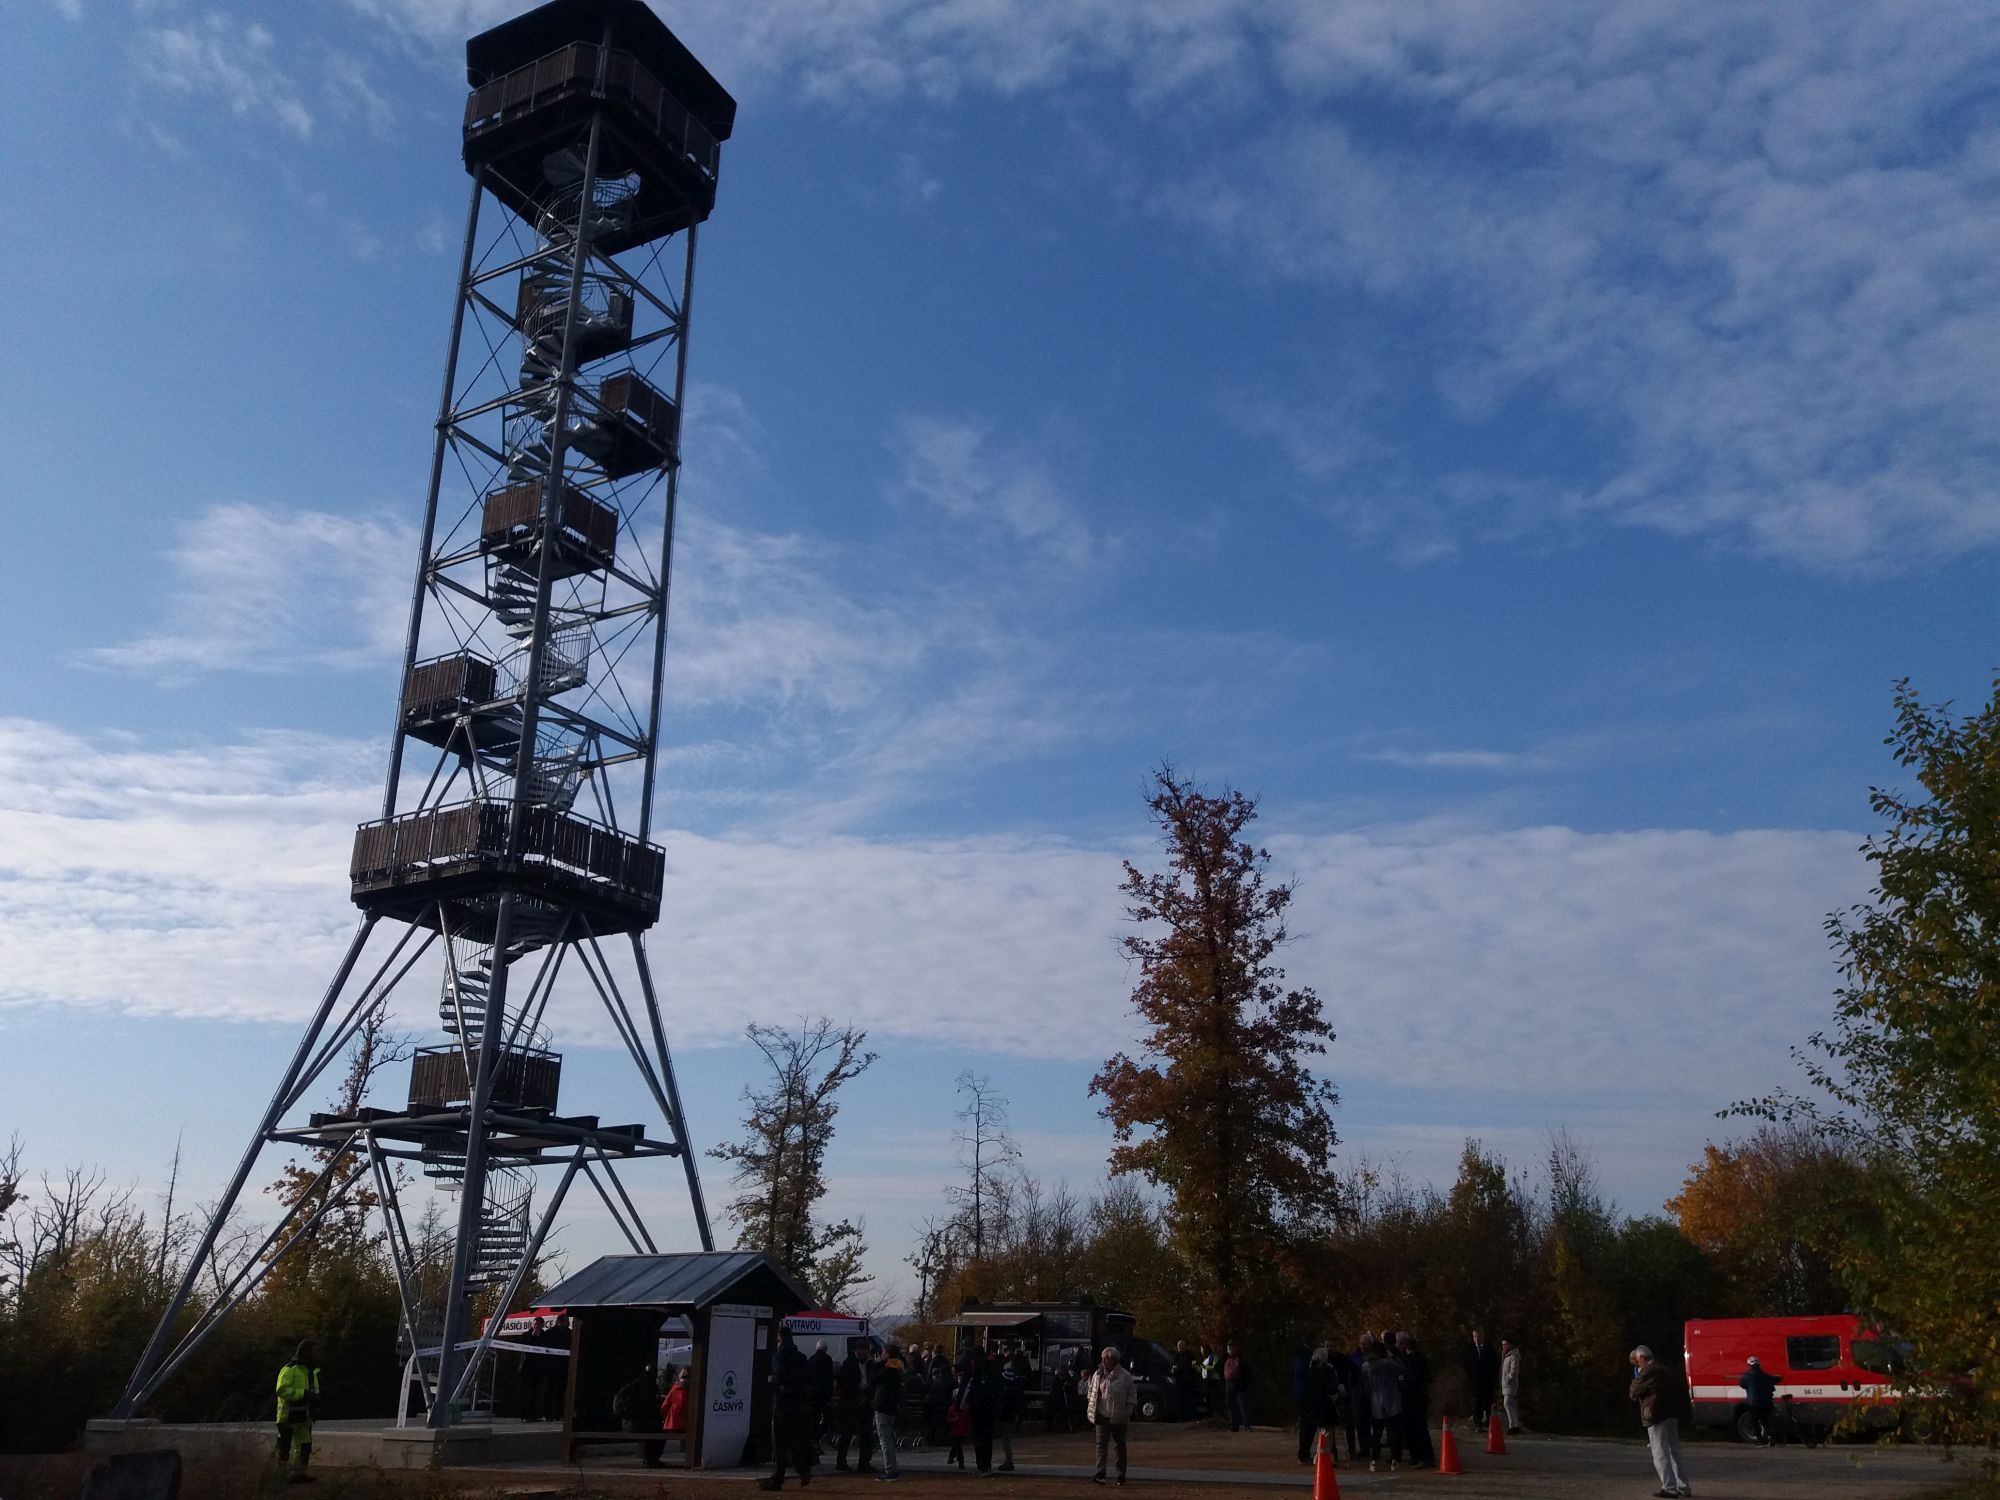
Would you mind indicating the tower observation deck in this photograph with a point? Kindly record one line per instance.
(514, 843)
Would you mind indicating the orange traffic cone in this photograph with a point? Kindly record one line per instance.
(1496, 1435)
(1448, 1462)
(1325, 1486)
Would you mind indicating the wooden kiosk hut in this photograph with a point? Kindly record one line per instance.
(732, 1301)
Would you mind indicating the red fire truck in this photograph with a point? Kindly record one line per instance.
(1824, 1364)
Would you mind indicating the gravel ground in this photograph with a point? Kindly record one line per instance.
(1194, 1462)
(1198, 1463)
(1534, 1465)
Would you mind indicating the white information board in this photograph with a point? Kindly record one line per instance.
(726, 1375)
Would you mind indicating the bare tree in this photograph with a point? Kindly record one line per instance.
(1045, 1235)
(985, 1151)
(173, 1231)
(11, 1255)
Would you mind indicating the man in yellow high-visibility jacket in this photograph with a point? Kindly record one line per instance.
(298, 1396)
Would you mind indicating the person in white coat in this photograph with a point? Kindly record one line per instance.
(1109, 1398)
(1510, 1383)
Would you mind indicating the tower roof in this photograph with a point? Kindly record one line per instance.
(634, 28)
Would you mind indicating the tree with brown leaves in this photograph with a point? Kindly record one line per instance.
(1223, 1109)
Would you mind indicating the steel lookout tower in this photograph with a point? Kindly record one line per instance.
(514, 843)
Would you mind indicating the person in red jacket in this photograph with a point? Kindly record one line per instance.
(958, 1425)
(674, 1407)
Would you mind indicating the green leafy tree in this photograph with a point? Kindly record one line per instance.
(838, 1277)
(1222, 1109)
(1583, 1333)
(1658, 1279)
(1485, 1273)
(1909, 1073)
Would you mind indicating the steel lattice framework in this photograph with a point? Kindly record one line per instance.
(515, 834)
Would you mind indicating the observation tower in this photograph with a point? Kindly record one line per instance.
(514, 842)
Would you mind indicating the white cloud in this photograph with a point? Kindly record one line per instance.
(871, 50)
(916, 185)
(434, 238)
(1556, 963)
(362, 242)
(759, 617)
(1625, 983)
(258, 588)
(1747, 252)
(201, 881)
(229, 60)
(354, 94)
(1504, 965)
(1461, 760)
(956, 466)
(811, 708)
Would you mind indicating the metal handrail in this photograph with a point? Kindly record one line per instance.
(477, 829)
(626, 81)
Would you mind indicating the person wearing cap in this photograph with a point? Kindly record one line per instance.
(1108, 1403)
(298, 1395)
(1662, 1398)
(1760, 1387)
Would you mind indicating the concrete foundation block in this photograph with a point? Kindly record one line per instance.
(151, 1475)
(421, 1448)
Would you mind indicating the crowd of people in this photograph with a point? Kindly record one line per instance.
(1378, 1395)
(975, 1398)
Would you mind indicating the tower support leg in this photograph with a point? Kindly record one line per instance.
(142, 1376)
(472, 1187)
(679, 1120)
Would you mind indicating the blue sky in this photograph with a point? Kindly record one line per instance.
(1520, 442)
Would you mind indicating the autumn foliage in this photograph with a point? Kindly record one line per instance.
(1222, 1109)
(1773, 1213)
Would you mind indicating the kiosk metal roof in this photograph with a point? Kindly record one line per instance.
(692, 1279)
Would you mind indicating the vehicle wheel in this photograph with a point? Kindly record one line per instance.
(1149, 1410)
(1746, 1427)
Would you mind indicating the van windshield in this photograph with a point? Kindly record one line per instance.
(1145, 1357)
(1882, 1356)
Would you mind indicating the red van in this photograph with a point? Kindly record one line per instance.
(1825, 1364)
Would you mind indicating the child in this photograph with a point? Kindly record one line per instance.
(957, 1422)
(674, 1408)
